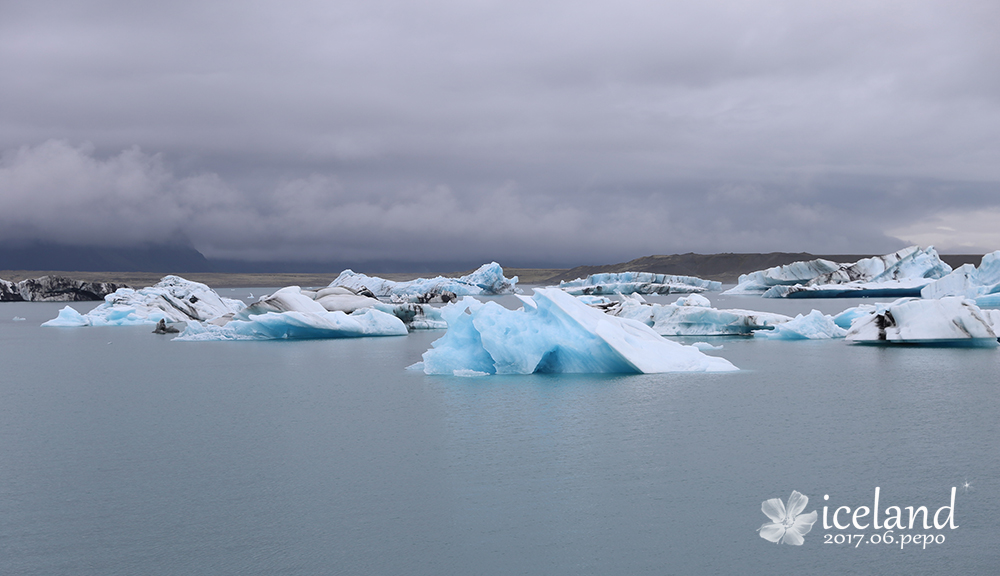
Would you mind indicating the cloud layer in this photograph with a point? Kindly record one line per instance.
(561, 133)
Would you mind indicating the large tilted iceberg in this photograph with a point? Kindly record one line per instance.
(290, 314)
(901, 273)
(173, 299)
(487, 280)
(637, 283)
(981, 284)
(555, 333)
(693, 316)
(812, 326)
(950, 321)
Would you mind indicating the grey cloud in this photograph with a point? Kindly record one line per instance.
(491, 130)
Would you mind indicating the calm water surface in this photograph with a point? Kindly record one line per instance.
(122, 452)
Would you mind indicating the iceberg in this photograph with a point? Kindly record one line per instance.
(693, 316)
(295, 325)
(55, 289)
(487, 280)
(337, 299)
(756, 283)
(902, 273)
(948, 321)
(981, 284)
(9, 291)
(172, 299)
(887, 289)
(555, 333)
(637, 283)
(847, 317)
(812, 326)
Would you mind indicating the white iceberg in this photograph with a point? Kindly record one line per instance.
(901, 273)
(693, 316)
(758, 282)
(487, 280)
(812, 326)
(953, 321)
(967, 281)
(637, 283)
(555, 333)
(337, 299)
(172, 299)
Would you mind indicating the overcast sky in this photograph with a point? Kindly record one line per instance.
(526, 132)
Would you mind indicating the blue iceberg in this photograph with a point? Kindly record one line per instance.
(554, 333)
(812, 326)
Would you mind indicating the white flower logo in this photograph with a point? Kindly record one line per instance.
(787, 526)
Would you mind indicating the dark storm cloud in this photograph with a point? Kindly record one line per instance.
(558, 132)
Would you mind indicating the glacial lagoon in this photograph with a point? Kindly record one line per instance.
(122, 452)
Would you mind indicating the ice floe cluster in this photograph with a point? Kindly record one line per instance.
(637, 283)
(487, 280)
(555, 333)
(291, 312)
(298, 314)
(902, 273)
(693, 316)
(315, 323)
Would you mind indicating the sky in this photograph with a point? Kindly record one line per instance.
(533, 133)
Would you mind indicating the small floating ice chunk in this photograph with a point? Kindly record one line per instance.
(948, 321)
(470, 373)
(812, 326)
(559, 334)
(693, 300)
(706, 346)
(19, 319)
